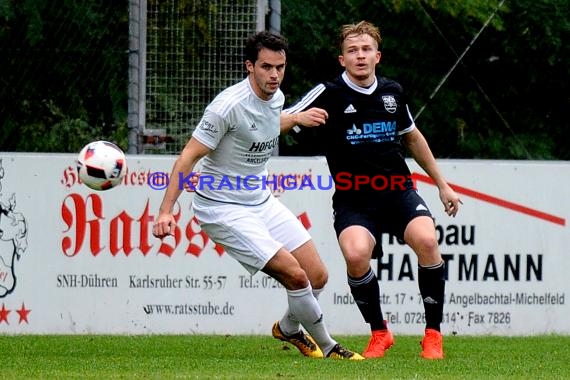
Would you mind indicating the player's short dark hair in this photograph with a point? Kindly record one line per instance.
(262, 40)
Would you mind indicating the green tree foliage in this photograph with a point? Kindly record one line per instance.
(506, 98)
(63, 74)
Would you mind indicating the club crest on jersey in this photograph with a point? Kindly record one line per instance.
(389, 103)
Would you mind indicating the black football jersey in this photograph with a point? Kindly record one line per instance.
(361, 138)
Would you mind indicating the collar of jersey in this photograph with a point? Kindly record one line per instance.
(357, 88)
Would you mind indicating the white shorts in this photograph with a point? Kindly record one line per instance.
(250, 234)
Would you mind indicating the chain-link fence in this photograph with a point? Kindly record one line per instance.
(192, 52)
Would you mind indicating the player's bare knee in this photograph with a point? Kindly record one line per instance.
(423, 244)
(427, 251)
(295, 279)
(429, 244)
(357, 255)
(320, 279)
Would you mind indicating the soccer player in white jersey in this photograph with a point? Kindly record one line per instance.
(234, 139)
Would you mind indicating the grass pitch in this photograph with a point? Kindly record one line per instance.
(262, 357)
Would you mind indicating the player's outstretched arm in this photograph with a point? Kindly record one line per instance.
(165, 223)
(416, 143)
(310, 118)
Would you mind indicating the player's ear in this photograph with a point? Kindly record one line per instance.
(249, 66)
(341, 60)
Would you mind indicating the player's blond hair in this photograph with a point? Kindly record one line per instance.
(363, 27)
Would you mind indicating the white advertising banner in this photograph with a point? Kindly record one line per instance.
(73, 260)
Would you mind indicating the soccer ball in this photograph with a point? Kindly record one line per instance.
(101, 165)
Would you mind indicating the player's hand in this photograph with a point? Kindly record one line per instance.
(312, 117)
(193, 185)
(450, 200)
(164, 225)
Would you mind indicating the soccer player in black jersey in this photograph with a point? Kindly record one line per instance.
(363, 123)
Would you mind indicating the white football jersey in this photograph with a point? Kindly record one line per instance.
(242, 130)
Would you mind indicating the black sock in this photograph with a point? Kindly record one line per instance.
(366, 292)
(431, 281)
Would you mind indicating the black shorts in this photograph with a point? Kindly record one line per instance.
(391, 215)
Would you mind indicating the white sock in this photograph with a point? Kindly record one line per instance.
(290, 325)
(305, 308)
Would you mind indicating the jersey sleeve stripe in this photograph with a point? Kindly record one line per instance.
(412, 124)
(307, 100)
(229, 102)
